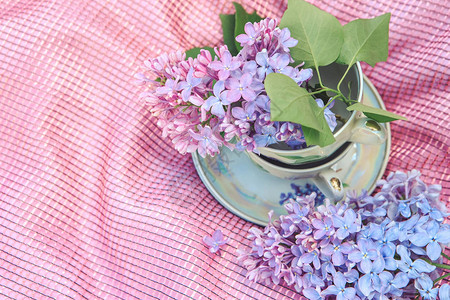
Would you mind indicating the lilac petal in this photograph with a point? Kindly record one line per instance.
(364, 284)
(444, 291)
(346, 248)
(226, 58)
(351, 276)
(242, 38)
(182, 85)
(328, 250)
(342, 233)
(390, 264)
(331, 290)
(186, 93)
(434, 250)
(366, 266)
(210, 102)
(246, 79)
(196, 100)
(338, 259)
(248, 94)
(232, 83)
(232, 95)
(249, 29)
(311, 294)
(262, 58)
(443, 236)
(339, 280)
(350, 216)
(234, 65)
(319, 234)
(217, 109)
(224, 74)
(420, 239)
(349, 293)
(355, 256)
(216, 65)
(422, 266)
(238, 113)
(400, 281)
(318, 224)
(217, 235)
(378, 265)
(208, 241)
(219, 86)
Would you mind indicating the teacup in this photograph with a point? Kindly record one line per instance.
(357, 128)
(325, 174)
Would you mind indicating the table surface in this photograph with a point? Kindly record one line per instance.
(94, 203)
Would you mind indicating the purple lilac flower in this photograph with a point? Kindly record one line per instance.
(186, 86)
(208, 142)
(330, 117)
(241, 88)
(226, 64)
(312, 294)
(339, 288)
(324, 227)
(337, 251)
(310, 278)
(266, 137)
(215, 241)
(286, 41)
(216, 102)
(262, 59)
(431, 239)
(250, 35)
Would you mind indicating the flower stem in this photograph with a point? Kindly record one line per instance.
(442, 266)
(442, 277)
(446, 256)
(342, 79)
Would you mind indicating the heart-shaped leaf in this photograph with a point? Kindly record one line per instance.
(365, 40)
(228, 25)
(242, 18)
(319, 34)
(376, 114)
(289, 102)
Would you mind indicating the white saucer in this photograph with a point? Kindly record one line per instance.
(250, 192)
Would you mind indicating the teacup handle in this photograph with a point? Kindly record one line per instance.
(330, 185)
(367, 131)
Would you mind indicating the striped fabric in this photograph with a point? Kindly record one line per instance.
(95, 204)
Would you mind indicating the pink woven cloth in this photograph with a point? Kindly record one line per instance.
(95, 204)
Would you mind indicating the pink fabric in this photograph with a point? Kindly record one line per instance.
(95, 204)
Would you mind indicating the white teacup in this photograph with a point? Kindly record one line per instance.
(325, 174)
(357, 128)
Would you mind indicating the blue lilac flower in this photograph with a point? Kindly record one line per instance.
(424, 285)
(431, 239)
(412, 268)
(346, 225)
(339, 288)
(330, 117)
(371, 280)
(280, 64)
(364, 254)
(444, 291)
(266, 137)
(312, 256)
(312, 294)
(310, 278)
(285, 40)
(262, 59)
(393, 285)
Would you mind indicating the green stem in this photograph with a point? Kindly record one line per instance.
(442, 277)
(318, 76)
(447, 267)
(446, 256)
(342, 79)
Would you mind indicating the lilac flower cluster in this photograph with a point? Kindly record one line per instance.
(203, 103)
(363, 248)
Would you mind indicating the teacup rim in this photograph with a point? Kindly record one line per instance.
(352, 116)
(306, 170)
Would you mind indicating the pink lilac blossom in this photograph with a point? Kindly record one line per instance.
(350, 251)
(211, 101)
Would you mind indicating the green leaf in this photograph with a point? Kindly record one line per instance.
(196, 51)
(242, 18)
(366, 40)
(289, 102)
(319, 34)
(376, 114)
(323, 137)
(228, 25)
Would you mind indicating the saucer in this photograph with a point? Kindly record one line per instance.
(249, 192)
